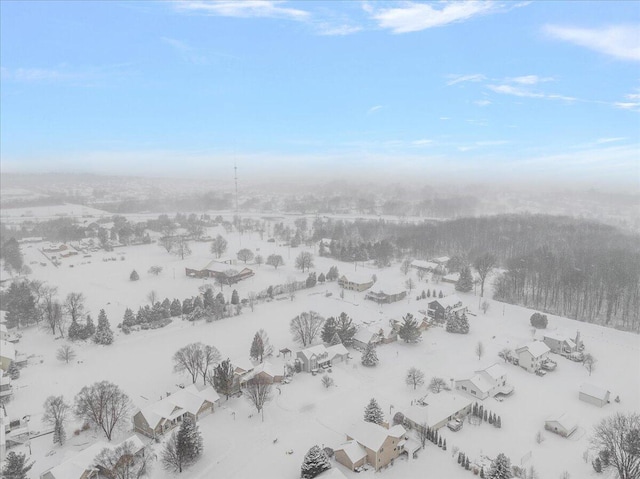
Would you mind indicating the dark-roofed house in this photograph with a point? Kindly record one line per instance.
(559, 343)
(440, 308)
(381, 293)
(594, 394)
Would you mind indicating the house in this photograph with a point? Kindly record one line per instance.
(81, 465)
(532, 356)
(436, 410)
(381, 293)
(441, 260)
(562, 424)
(375, 334)
(440, 308)
(451, 278)
(379, 445)
(191, 402)
(320, 356)
(264, 372)
(426, 266)
(593, 394)
(486, 383)
(220, 270)
(7, 354)
(55, 248)
(356, 281)
(333, 473)
(6, 388)
(559, 343)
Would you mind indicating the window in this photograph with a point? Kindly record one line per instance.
(473, 392)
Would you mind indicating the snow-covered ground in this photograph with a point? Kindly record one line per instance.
(303, 413)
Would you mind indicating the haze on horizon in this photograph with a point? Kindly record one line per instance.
(529, 93)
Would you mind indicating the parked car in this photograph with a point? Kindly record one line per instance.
(455, 424)
(541, 372)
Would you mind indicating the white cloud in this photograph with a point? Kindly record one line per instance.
(337, 30)
(619, 41)
(414, 17)
(423, 142)
(530, 79)
(600, 141)
(476, 77)
(482, 102)
(243, 8)
(515, 91)
(373, 109)
(632, 103)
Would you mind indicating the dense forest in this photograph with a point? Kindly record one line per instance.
(576, 268)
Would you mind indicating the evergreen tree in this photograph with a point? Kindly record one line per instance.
(103, 335)
(189, 441)
(459, 457)
(498, 423)
(373, 413)
(490, 421)
(335, 340)
(208, 298)
(74, 331)
(485, 415)
(345, 329)
(428, 293)
(257, 348)
(166, 305)
(467, 463)
(89, 328)
(235, 298)
(15, 466)
(444, 445)
(128, 319)
(321, 278)
(409, 330)
(176, 308)
(440, 295)
(315, 462)
(311, 280)
(500, 468)
(333, 274)
(465, 283)
(369, 356)
(134, 276)
(329, 329)
(223, 378)
(597, 465)
(187, 306)
(482, 473)
(434, 293)
(197, 303)
(13, 371)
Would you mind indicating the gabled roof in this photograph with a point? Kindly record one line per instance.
(418, 263)
(353, 450)
(358, 277)
(566, 421)
(441, 259)
(364, 336)
(317, 350)
(337, 349)
(242, 363)
(333, 473)
(480, 382)
(386, 288)
(536, 348)
(594, 391)
(439, 407)
(372, 435)
(495, 371)
(189, 399)
(447, 301)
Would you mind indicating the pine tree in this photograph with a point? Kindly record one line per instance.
(440, 295)
(329, 329)
(223, 378)
(369, 356)
(467, 463)
(134, 276)
(189, 444)
(482, 473)
(474, 411)
(480, 411)
(176, 308)
(257, 348)
(321, 278)
(345, 328)
(459, 458)
(235, 298)
(490, 421)
(597, 465)
(500, 468)
(428, 293)
(373, 413)
(434, 293)
(335, 340)
(16, 466)
(498, 423)
(465, 283)
(208, 298)
(463, 460)
(444, 445)
(485, 415)
(13, 371)
(197, 303)
(59, 434)
(75, 330)
(103, 335)
(89, 328)
(315, 462)
(129, 319)
(408, 330)
(187, 306)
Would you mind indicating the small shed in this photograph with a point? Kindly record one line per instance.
(563, 424)
(593, 394)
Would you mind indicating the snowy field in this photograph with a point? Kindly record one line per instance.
(303, 413)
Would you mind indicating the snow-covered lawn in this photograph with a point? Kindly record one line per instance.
(303, 413)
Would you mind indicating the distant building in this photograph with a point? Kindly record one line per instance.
(441, 260)
(371, 443)
(356, 281)
(594, 394)
(436, 410)
(382, 294)
(562, 424)
(452, 278)
(486, 383)
(559, 343)
(220, 271)
(320, 356)
(533, 355)
(7, 354)
(440, 308)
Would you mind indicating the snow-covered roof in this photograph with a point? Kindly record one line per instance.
(7, 350)
(451, 277)
(189, 399)
(264, 367)
(353, 450)
(536, 348)
(566, 421)
(495, 371)
(75, 467)
(480, 382)
(448, 301)
(441, 259)
(418, 263)
(387, 288)
(364, 336)
(317, 350)
(3, 329)
(560, 337)
(372, 435)
(337, 350)
(358, 277)
(594, 391)
(242, 363)
(439, 407)
(333, 473)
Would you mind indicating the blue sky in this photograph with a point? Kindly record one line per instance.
(538, 91)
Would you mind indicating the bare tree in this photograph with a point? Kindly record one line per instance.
(275, 260)
(251, 297)
(423, 433)
(155, 270)
(479, 350)
(66, 353)
(74, 305)
(218, 246)
(484, 264)
(437, 384)
(290, 288)
(414, 377)
(152, 296)
(619, 436)
(259, 259)
(258, 392)
(245, 254)
(304, 261)
(421, 273)
(104, 405)
(505, 354)
(410, 285)
(485, 306)
(589, 362)
(405, 266)
(55, 414)
(181, 247)
(167, 242)
(209, 357)
(50, 309)
(305, 327)
(189, 358)
(124, 462)
(327, 381)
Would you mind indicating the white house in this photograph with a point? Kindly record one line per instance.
(562, 424)
(532, 355)
(593, 394)
(356, 281)
(7, 354)
(486, 383)
(437, 410)
(321, 356)
(559, 343)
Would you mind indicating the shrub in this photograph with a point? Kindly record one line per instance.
(539, 320)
